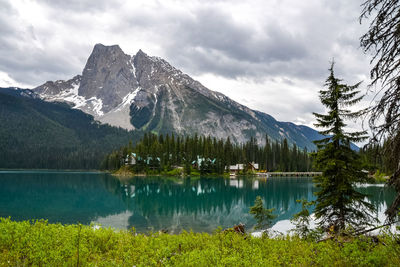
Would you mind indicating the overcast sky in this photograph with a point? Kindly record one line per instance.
(270, 55)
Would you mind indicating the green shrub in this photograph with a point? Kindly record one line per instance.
(40, 243)
(262, 215)
(380, 177)
(174, 172)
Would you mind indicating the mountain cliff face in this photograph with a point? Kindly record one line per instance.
(147, 93)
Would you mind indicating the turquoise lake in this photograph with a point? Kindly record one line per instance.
(155, 203)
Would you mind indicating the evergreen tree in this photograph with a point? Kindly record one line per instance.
(382, 40)
(301, 220)
(285, 156)
(262, 215)
(339, 204)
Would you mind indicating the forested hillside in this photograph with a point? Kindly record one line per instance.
(39, 134)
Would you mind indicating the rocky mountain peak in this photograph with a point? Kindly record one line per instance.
(51, 88)
(140, 53)
(108, 75)
(153, 72)
(101, 48)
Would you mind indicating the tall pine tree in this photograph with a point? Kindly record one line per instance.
(339, 204)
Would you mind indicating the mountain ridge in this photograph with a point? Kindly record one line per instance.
(147, 93)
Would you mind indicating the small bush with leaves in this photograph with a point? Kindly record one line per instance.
(301, 220)
(262, 215)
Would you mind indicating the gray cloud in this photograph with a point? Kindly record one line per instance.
(80, 5)
(283, 42)
(203, 39)
(208, 40)
(220, 45)
(24, 57)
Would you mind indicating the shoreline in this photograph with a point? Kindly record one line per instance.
(53, 170)
(127, 174)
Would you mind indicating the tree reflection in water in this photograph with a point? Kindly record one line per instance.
(153, 203)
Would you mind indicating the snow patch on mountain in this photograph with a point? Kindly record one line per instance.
(128, 99)
(133, 70)
(119, 116)
(70, 95)
(97, 105)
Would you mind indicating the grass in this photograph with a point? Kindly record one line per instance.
(173, 172)
(40, 243)
(124, 171)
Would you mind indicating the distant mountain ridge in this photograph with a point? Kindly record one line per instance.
(147, 93)
(37, 134)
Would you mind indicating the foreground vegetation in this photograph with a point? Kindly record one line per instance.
(40, 243)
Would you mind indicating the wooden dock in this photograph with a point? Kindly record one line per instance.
(291, 174)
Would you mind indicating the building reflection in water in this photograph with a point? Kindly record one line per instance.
(154, 203)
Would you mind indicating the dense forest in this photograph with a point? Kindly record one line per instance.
(374, 158)
(163, 152)
(42, 135)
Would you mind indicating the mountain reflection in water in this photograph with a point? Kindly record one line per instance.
(153, 203)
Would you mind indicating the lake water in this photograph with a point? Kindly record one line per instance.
(154, 203)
